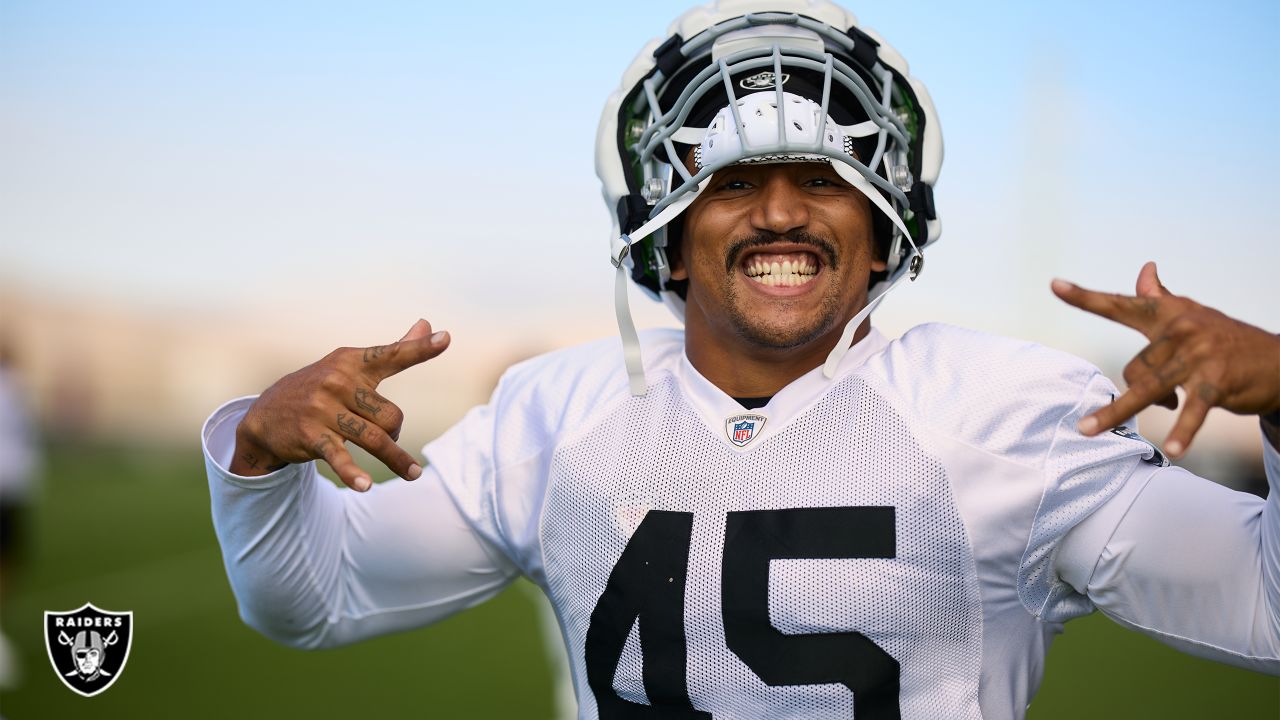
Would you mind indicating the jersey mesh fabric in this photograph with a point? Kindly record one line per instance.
(1019, 401)
(920, 606)
(965, 434)
(1079, 472)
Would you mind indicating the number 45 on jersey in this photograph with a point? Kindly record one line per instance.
(648, 585)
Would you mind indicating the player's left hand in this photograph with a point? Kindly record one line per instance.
(1218, 360)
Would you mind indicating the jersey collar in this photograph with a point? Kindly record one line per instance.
(716, 407)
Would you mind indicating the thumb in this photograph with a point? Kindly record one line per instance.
(419, 329)
(1149, 285)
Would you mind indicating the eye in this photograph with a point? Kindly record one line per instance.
(826, 181)
(734, 185)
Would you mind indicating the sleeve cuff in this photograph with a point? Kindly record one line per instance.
(1271, 462)
(218, 438)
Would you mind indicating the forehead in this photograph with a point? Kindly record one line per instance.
(770, 169)
(834, 194)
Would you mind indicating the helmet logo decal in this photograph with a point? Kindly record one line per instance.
(762, 80)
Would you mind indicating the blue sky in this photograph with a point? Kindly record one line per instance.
(415, 160)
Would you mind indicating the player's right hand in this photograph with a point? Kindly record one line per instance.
(310, 414)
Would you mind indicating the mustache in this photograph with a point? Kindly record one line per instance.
(821, 246)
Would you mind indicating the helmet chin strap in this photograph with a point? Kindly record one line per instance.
(621, 301)
(914, 261)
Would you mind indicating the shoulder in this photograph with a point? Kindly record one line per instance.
(966, 356)
(1004, 395)
(596, 365)
(943, 364)
(563, 386)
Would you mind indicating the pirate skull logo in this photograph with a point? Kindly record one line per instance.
(88, 647)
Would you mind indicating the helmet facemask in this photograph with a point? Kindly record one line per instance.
(835, 103)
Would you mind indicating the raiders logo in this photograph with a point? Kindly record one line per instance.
(88, 646)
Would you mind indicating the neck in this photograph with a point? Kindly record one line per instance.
(742, 369)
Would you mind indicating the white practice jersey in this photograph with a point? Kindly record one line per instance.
(900, 541)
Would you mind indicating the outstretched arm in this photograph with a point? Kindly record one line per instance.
(311, 564)
(1185, 560)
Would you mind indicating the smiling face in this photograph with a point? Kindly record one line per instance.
(778, 258)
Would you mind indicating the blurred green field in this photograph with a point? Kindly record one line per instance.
(130, 530)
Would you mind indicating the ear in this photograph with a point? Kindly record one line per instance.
(675, 254)
(676, 260)
(880, 228)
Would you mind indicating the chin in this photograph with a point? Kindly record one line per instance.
(781, 335)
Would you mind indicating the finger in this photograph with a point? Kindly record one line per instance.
(1144, 393)
(377, 409)
(1149, 285)
(1156, 359)
(421, 328)
(1138, 313)
(1157, 353)
(383, 361)
(330, 449)
(379, 444)
(1189, 422)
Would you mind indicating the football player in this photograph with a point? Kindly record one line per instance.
(777, 511)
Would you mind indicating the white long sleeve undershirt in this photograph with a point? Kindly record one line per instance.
(1188, 562)
(314, 565)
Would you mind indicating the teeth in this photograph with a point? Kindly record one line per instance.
(786, 273)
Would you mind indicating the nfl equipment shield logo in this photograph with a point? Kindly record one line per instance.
(88, 647)
(741, 429)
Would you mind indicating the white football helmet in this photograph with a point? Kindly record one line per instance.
(711, 87)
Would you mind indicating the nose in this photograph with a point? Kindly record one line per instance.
(781, 206)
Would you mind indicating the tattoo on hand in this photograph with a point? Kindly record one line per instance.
(1209, 393)
(351, 426)
(373, 353)
(366, 402)
(256, 463)
(1172, 371)
(323, 446)
(1146, 356)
